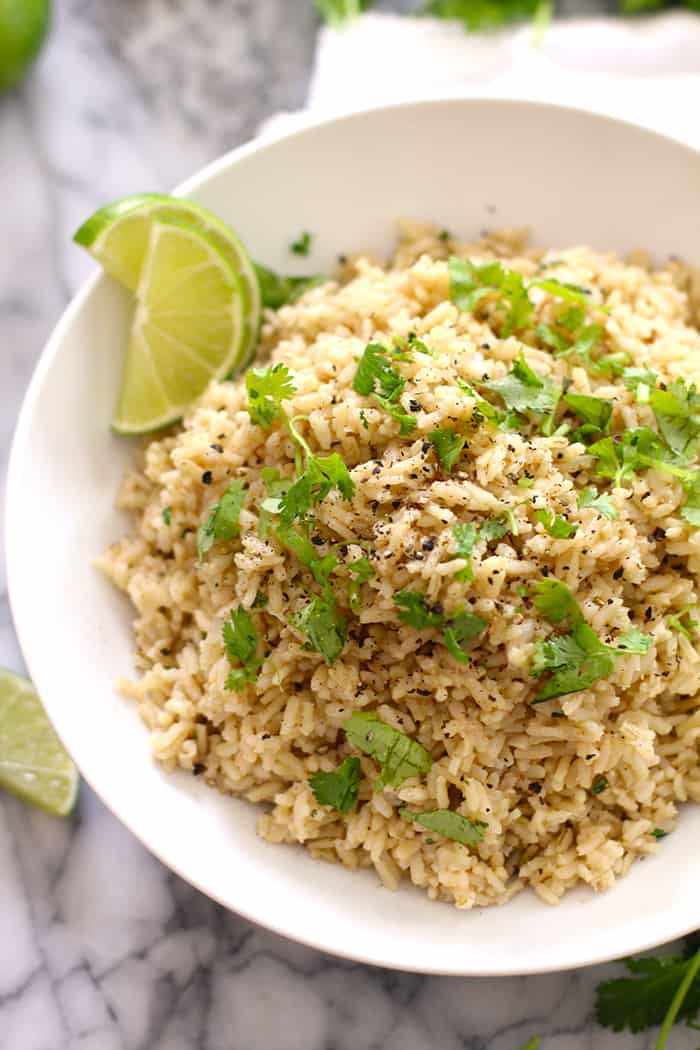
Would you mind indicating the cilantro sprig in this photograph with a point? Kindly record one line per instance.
(658, 992)
(339, 788)
(399, 756)
(575, 659)
(241, 645)
(267, 388)
(458, 629)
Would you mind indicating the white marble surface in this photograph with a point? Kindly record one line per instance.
(101, 948)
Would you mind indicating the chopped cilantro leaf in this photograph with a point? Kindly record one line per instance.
(469, 283)
(577, 659)
(572, 293)
(260, 601)
(682, 621)
(574, 661)
(449, 445)
(362, 571)
(415, 611)
(449, 824)
(399, 756)
(322, 569)
(594, 411)
(633, 641)
(556, 602)
(483, 409)
(321, 474)
(634, 378)
(241, 646)
(277, 291)
(496, 528)
(691, 509)
(525, 482)
(339, 788)
(302, 246)
(599, 786)
(677, 411)
(589, 497)
(465, 537)
(324, 627)
(276, 487)
(267, 389)
(167, 515)
(377, 376)
(659, 833)
(555, 525)
(222, 521)
(458, 629)
(523, 390)
(297, 542)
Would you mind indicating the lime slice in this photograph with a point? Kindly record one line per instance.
(34, 765)
(117, 236)
(186, 330)
(23, 28)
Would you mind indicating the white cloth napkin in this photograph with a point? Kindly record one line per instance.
(646, 70)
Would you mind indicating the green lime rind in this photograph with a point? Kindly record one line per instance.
(186, 330)
(34, 765)
(142, 208)
(24, 25)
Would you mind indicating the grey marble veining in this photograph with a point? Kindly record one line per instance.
(101, 948)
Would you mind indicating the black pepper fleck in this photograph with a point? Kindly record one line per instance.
(207, 477)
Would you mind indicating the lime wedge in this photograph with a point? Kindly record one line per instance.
(117, 236)
(34, 764)
(23, 28)
(186, 329)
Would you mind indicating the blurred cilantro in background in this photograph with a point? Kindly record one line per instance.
(488, 14)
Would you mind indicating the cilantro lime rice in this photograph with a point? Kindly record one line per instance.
(423, 585)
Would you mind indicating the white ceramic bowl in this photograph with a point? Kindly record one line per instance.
(572, 177)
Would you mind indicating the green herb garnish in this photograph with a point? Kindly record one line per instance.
(376, 376)
(302, 246)
(449, 445)
(578, 658)
(449, 824)
(320, 475)
(167, 515)
(222, 522)
(658, 992)
(522, 390)
(682, 622)
(338, 789)
(267, 389)
(277, 291)
(399, 756)
(324, 627)
(458, 629)
(362, 571)
(599, 785)
(555, 525)
(589, 497)
(241, 646)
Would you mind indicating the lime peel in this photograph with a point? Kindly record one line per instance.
(34, 765)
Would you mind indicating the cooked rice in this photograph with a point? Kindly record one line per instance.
(497, 758)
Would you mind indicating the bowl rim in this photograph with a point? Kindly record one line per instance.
(12, 521)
